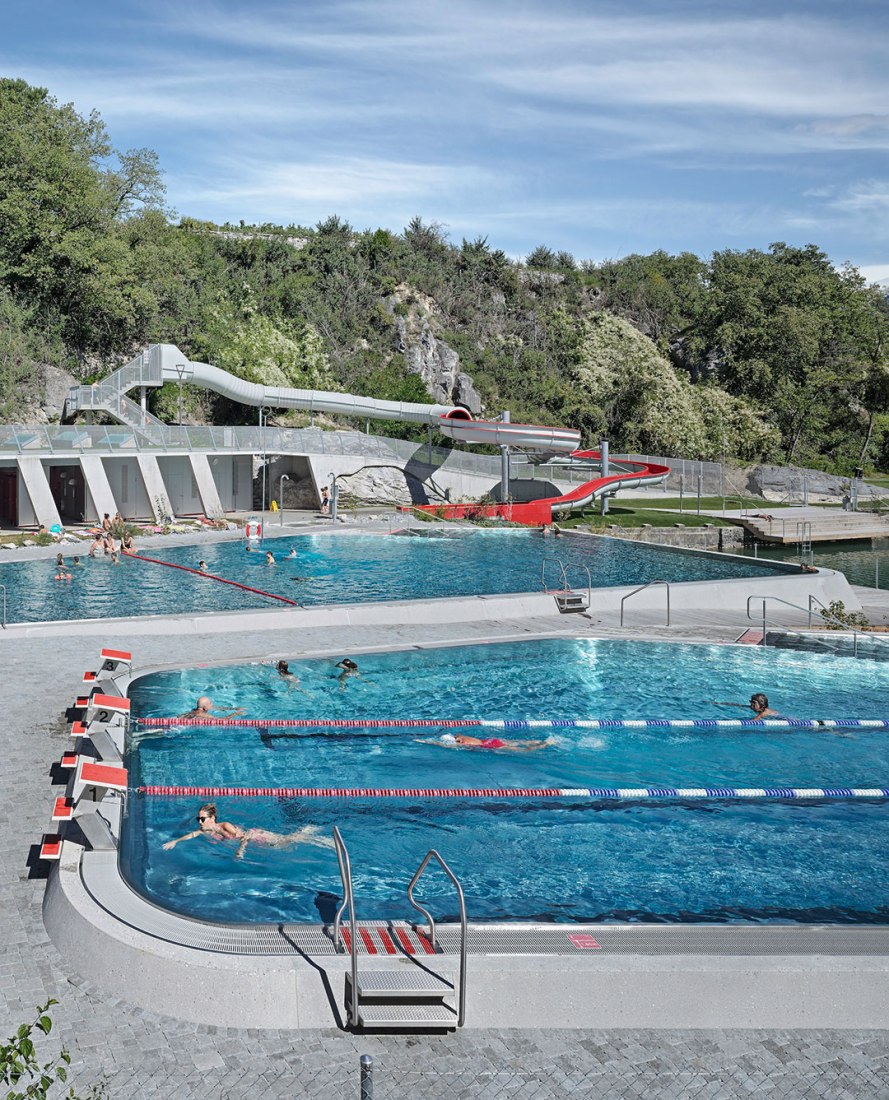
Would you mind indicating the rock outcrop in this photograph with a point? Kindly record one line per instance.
(427, 355)
(50, 387)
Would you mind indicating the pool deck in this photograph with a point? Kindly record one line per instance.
(683, 1044)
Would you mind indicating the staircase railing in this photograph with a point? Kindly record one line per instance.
(642, 588)
(342, 858)
(828, 616)
(430, 855)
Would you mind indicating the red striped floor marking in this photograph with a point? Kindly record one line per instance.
(404, 940)
(368, 941)
(425, 944)
(347, 938)
(386, 941)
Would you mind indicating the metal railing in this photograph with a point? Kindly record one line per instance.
(563, 577)
(3, 619)
(342, 858)
(824, 613)
(642, 588)
(430, 855)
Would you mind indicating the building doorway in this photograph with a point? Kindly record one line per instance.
(69, 492)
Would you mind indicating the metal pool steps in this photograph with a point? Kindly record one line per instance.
(568, 599)
(407, 999)
(415, 997)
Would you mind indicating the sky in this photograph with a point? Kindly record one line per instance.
(599, 128)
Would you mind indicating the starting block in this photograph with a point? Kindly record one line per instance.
(115, 660)
(51, 846)
(62, 809)
(68, 761)
(105, 708)
(98, 778)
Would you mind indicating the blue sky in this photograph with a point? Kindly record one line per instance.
(600, 128)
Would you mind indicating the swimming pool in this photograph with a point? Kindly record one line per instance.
(571, 860)
(351, 569)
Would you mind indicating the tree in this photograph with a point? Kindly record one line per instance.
(62, 192)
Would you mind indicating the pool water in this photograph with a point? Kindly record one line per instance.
(565, 860)
(349, 569)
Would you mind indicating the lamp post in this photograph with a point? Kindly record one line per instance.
(180, 370)
(281, 481)
(263, 418)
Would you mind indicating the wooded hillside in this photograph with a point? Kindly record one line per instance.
(773, 354)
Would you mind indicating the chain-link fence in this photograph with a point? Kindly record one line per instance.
(381, 1079)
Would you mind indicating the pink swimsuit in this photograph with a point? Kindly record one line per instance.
(493, 743)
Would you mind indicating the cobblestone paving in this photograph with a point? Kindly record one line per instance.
(136, 1054)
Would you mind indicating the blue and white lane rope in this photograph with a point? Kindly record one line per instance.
(524, 723)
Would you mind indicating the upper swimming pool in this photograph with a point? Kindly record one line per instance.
(349, 569)
(521, 859)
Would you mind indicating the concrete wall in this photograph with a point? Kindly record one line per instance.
(128, 487)
(182, 488)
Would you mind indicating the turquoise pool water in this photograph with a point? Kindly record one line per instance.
(572, 860)
(348, 569)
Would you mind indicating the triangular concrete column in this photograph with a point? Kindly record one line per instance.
(209, 494)
(155, 487)
(37, 485)
(96, 478)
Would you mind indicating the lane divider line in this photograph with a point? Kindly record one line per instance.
(211, 576)
(522, 723)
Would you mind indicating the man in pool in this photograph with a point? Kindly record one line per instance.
(759, 704)
(203, 708)
(349, 668)
(209, 826)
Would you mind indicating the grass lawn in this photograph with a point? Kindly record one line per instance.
(634, 512)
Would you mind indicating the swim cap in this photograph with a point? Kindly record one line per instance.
(448, 739)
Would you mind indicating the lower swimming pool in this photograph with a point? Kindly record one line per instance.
(571, 860)
(352, 569)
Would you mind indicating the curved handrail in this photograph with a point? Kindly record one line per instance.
(342, 858)
(433, 854)
(642, 588)
(562, 578)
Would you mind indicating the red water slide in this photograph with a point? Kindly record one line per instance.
(629, 474)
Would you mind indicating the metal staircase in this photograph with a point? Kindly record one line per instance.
(414, 997)
(109, 395)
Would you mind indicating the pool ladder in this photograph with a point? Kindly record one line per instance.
(414, 997)
(567, 599)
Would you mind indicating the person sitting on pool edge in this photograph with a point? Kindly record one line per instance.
(226, 830)
(203, 709)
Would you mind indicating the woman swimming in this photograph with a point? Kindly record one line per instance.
(210, 826)
(464, 741)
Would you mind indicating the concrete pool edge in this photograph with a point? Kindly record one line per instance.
(588, 989)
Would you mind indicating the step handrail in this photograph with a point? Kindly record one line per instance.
(3, 588)
(642, 588)
(342, 858)
(823, 613)
(563, 577)
(430, 855)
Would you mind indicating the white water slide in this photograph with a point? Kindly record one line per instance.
(166, 363)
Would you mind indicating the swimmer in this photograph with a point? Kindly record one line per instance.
(60, 561)
(115, 560)
(269, 558)
(283, 670)
(76, 561)
(227, 830)
(464, 741)
(349, 668)
(292, 553)
(203, 708)
(759, 704)
(202, 566)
